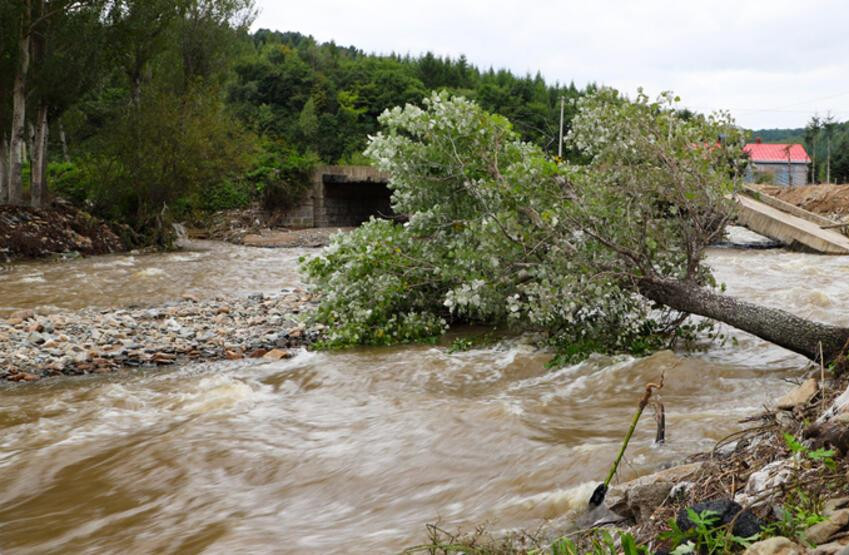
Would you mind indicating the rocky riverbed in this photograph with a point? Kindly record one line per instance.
(37, 345)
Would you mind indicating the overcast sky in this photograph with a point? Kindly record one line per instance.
(773, 63)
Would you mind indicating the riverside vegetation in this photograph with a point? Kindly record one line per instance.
(149, 111)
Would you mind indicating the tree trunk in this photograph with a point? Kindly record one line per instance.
(64, 142)
(19, 108)
(4, 171)
(38, 191)
(135, 87)
(774, 325)
(29, 151)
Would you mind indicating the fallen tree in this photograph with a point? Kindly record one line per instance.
(603, 254)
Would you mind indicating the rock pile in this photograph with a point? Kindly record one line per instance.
(33, 346)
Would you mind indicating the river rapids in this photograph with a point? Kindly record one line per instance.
(351, 452)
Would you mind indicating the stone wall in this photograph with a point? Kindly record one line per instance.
(302, 215)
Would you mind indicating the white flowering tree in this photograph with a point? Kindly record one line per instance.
(602, 256)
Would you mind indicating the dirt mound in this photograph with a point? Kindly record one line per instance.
(281, 238)
(254, 227)
(827, 200)
(61, 228)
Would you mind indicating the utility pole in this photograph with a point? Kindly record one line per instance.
(789, 166)
(560, 142)
(829, 131)
(828, 162)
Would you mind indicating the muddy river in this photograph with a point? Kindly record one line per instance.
(350, 452)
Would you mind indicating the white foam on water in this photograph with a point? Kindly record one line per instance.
(820, 299)
(212, 394)
(188, 257)
(33, 278)
(123, 262)
(741, 235)
(150, 272)
(569, 503)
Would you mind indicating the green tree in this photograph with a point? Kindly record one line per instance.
(65, 68)
(812, 133)
(165, 149)
(27, 19)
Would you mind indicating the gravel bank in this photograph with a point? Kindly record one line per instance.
(35, 346)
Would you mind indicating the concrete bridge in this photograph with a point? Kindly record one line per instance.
(790, 224)
(342, 196)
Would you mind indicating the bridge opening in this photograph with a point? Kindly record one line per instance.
(350, 203)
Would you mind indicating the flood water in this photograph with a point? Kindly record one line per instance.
(201, 268)
(351, 452)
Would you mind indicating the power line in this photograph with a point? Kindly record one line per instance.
(813, 100)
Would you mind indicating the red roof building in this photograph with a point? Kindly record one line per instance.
(778, 164)
(762, 152)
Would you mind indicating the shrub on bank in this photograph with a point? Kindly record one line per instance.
(280, 175)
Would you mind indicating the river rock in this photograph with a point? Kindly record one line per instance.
(276, 354)
(777, 545)
(799, 396)
(22, 315)
(36, 338)
(823, 531)
(93, 340)
(637, 499)
(770, 477)
(747, 524)
(839, 406)
(833, 434)
(838, 547)
(833, 505)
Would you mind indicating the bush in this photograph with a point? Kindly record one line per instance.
(222, 195)
(170, 154)
(70, 181)
(280, 176)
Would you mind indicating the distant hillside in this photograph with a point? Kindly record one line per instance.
(780, 135)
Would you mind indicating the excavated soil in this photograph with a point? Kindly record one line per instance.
(60, 228)
(827, 200)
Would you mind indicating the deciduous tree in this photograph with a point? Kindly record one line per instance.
(606, 256)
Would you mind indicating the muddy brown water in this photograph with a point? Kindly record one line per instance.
(201, 268)
(351, 452)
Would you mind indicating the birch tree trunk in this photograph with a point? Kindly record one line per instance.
(19, 108)
(38, 191)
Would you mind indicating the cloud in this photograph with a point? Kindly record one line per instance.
(773, 64)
